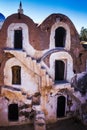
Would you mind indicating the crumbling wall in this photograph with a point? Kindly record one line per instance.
(3, 111)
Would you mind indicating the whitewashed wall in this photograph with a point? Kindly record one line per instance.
(26, 43)
(67, 59)
(28, 81)
(52, 35)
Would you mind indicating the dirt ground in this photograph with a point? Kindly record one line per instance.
(69, 124)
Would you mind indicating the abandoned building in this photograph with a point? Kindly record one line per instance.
(38, 64)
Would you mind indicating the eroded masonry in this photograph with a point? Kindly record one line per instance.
(42, 70)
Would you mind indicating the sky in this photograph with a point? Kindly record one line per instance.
(39, 10)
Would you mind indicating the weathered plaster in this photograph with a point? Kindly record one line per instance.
(52, 35)
(63, 56)
(10, 37)
(36, 76)
(28, 81)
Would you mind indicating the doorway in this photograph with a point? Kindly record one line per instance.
(61, 101)
(16, 75)
(13, 112)
(60, 36)
(59, 70)
(18, 39)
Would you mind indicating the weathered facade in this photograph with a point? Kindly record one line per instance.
(37, 65)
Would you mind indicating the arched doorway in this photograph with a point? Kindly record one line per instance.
(60, 36)
(13, 112)
(59, 70)
(61, 101)
(18, 39)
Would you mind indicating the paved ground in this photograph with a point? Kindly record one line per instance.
(68, 124)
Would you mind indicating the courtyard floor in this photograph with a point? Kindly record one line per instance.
(69, 124)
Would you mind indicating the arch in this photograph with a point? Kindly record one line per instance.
(11, 66)
(68, 64)
(25, 38)
(13, 112)
(60, 37)
(19, 30)
(27, 80)
(60, 28)
(61, 102)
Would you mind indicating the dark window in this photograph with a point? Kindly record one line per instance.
(16, 75)
(59, 70)
(60, 36)
(61, 101)
(13, 112)
(18, 39)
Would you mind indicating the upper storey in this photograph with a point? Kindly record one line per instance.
(61, 32)
(20, 32)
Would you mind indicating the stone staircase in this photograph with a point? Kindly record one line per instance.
(32, 65)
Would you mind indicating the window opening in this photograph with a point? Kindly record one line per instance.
(16, 75)
(60, 36)
(18, 39)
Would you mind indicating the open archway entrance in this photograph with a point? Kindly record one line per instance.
(61, 101)
(13, 112)
(60, 36)
(59, 70)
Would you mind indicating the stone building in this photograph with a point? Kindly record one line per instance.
(37, 66)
